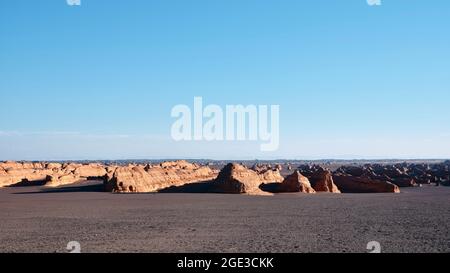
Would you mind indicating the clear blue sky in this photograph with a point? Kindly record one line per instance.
(98, 81)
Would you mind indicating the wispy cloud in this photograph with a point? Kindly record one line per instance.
(75, 134)
(9, 133)
(37, 133)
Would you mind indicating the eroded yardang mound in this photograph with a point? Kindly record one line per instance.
(296, 182)
(397, 175)
(236, 178)
(20, 172)
(148, 178)
(355, 184)
(321, 179)
(49, 174)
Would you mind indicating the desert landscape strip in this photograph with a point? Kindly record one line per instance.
(233, 178)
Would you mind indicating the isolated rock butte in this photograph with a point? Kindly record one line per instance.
(155, 178)
(296, 182)
(354, 184)
(322, 181)
(236, 178)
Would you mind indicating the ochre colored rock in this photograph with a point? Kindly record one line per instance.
(52, 166)
(90, 170)
(322, 181)
(155, 178)
(66, 179)
(55, 174)
(16, 173)
(11, 165)
(236, 178)
(296, 182)
(68, 168)
(270, 176)
(180, 164)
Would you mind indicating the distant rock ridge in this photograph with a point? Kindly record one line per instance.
(351, 181)
(260, 179)
(361, 184)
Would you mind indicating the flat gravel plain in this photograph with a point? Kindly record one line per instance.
(38, 219)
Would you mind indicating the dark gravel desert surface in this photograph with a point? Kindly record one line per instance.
(38, 219)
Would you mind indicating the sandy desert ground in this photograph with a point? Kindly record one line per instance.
(38, 219)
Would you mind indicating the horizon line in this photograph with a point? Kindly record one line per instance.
(229, 159)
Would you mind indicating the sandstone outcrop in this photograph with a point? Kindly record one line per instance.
(395, 174)
(321, 179)
(19, 173)
(53, 166)
(135, 177)
(90, 170)
(236, 178)
(65, 179)
(73, 173)
(49, 174)
(296, 182)
(270, 176)
(360, 184)
(403, 181)
(148, 178)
